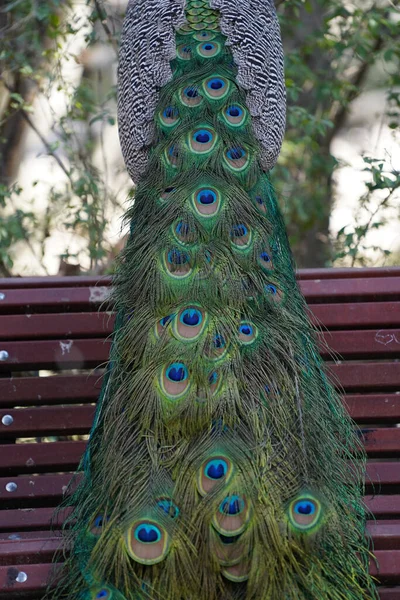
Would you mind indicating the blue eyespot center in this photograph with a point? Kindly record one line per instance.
(239, 231)
(102, 594)
(203, 136)
(187, 49)
(216, 469)
(213, 378)
(100, 520)
(259, 200)
(168, 507)
(219, 341)
(304, 507)
(234, 111)
(182, 228)
(191, 92)
(165, 320)
(168, 190)
(216, 84)
(173, 152)
(271, 289)
(208, 47)
(147, 533)
(191, 317)
(235, 153)
(265, 257)
(232, 505)
(170, 112)
(246, 329)
(177, 372)
(176, 257)
(207, 197)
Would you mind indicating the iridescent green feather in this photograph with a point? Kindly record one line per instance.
(221, 464)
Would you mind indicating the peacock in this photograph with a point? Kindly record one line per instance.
(221, 464)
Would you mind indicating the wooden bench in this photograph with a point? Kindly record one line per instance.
(53, 343)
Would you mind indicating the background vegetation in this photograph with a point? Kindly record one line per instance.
(57, 100)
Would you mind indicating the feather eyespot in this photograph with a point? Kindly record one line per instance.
(98, 524)
(240, 235)
(177, 262)
(214, 471)
(169, 116)
(247, 332)
(209, 49)
(272, 291)
(103, 593)
(305, 513)
(265, 260)
(166, 194)
(204, 36)
(184, 52)
(235, 115)
(206, 201)
(261, 204)
(172, 156)
(237, 158)
(202, 140)
(216, 87)
(190, 323)
(168, 507)
(184, 232)
(190, 96)
(232, 516)
(175, 380)
(163, 324)
(147, 542)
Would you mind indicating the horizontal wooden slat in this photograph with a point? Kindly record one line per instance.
(37, 575)
(373, 408)
(58, 420)
(90, 280)
(41, 457)
(56, 456)
(35, 489)
(348, 290)
(84, 353)
(100, 324)
(59, 325)
(31, 519)
(59, 389)
(29, 301)
(28, 391)
(56, 354)
(48, 299)
(28, 519)
(356, 315)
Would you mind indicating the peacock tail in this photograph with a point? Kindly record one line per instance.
(221, 464)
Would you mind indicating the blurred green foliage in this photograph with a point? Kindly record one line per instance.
(333, 48)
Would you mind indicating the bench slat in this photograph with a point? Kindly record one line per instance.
(61, 389)
(38, 575)
(53, 456)
(100, 324)
(49, 299)
(34, 519)
(84, 353)
(34, 489)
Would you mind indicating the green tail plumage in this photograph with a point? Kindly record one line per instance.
(221, 464)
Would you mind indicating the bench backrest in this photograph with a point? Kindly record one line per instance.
(53, 346)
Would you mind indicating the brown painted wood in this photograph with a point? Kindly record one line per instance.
(59, 325)
(58, 389)
(58, 420)
(38, 576)
(386, 593)
(45, 490)
(65, 455)
(41, 457)
(366, 315)
(86, 353)
(373, 408)
(383, 507)
(51, 299)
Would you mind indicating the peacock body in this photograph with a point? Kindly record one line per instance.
(221, 464)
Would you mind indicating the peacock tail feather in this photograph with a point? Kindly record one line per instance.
(221, 463)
